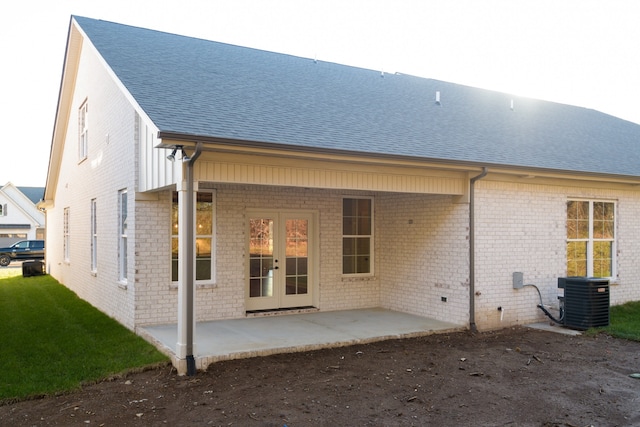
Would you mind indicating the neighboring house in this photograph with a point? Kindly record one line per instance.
(20, 219)
(319, 186)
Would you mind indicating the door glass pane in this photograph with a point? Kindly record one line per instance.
(261, 262)
(296, 250)
(254, 288)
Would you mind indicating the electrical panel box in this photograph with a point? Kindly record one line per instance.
(518, 280)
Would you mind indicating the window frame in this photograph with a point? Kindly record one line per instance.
(66, 235)
(370, 237)
(591, 239)
(83, 131)
(94, 236)
(175, 232)
(122, 236)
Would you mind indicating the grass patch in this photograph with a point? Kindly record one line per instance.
(52, 341)
(624, 321)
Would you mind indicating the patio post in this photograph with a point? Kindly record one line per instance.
(185, 347)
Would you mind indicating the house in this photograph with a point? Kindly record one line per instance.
(191, 180)
(20, 219)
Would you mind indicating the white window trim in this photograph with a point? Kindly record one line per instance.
(371, 243)
(94, 237)
(590, 240)
(83, 131)
(122, 238)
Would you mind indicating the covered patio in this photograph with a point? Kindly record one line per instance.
(270, 334)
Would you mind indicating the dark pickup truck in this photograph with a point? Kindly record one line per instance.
(22, 250)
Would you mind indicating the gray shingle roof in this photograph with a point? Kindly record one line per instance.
(35, 194)
(196, 87)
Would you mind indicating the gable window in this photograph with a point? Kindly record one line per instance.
(65, 234)
(83, 131)
(122, 235)
(3, 210)
(94, 237)
(205, 226)
(591, 244)
(357, 235)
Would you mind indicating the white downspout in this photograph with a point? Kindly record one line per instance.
(185, 347)
(472, 250)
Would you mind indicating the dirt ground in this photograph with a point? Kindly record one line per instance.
(513, 377)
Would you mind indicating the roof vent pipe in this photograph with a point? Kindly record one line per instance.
(437, 97)
(511, 104)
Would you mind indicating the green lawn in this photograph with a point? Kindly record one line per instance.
(52, 341)
(624, 321)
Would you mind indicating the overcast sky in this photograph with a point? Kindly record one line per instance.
(579, 52)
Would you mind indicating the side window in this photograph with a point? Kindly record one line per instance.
(205, 226)
(3, 210)
(94, 236)
(122, 235)
(591, 243)
(357, 235)
(83, 131)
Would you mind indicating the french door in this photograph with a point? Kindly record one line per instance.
(280, 267)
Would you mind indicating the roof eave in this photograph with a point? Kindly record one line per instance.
(210, 143)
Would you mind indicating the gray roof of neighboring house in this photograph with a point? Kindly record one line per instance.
(203, 88)
(35, 194)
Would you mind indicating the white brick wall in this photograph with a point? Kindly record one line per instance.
(402, 279)
(157, 299)
(522, 228)
(424, 256)
(108, 168)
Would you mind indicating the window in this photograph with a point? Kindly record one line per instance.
(204, 238)
(122, 235)
(65, 234)
(94, 237)
(357, 235)
(3, 210)
(591, 245)
(83, 131)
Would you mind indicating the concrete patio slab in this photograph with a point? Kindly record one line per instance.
(260, 336)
